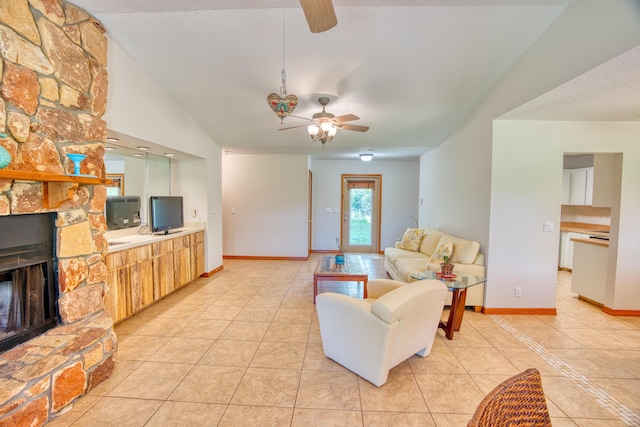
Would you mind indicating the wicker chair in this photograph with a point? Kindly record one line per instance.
(518, 401)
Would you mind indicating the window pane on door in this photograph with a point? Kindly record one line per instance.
(360, 216)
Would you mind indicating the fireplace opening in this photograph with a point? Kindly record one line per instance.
(27, 280)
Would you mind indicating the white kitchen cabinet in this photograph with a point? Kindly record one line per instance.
(566, 248)
(578, 191)
(590, 186)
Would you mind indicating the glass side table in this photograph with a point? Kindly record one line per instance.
(458, 285)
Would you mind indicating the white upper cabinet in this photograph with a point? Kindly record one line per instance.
(578, 185)
(591, 186)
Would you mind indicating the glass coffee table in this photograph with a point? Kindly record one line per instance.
(352, 270)
(458, 285)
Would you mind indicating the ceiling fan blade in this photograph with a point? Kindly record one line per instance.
(358, 128)
(300, 117)
(346, 118)
(320, 15)
(293, 127)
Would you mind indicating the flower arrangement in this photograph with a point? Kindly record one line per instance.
(340, 247)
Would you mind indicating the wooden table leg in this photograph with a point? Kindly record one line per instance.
(364, 292)
(456, 312)
(315, 289)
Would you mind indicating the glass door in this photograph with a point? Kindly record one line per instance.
(360, 213)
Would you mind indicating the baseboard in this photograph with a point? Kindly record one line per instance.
(265, 258)
(613, 312)
(212, 272)
(528, 311)
(590, 301)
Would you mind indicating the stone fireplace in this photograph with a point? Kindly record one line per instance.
(53, 88)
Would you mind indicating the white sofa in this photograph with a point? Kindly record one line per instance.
(401, 263)
(370, 337)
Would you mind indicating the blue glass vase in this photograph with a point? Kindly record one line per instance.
(5, 157)
(76, 158)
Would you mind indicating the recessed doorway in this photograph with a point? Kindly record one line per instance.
(360, 226)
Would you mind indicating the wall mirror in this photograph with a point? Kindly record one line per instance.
(144, 173)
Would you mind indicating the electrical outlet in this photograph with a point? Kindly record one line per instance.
(518, 292)
(547, 226)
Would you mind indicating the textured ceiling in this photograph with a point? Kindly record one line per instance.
(411, 70)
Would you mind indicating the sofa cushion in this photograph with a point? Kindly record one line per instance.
(411, 239)
(464, 251)
(393, 254)
(444, 249)
(407, 266)
(430, 242)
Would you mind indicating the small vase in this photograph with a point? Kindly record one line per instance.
(340, 259)
(5, 157)
(77, 159)
(446, 269)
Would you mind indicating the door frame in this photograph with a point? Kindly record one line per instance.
(343, 180)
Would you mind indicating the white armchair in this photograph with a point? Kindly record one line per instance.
(370, 337)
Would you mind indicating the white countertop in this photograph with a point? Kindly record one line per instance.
(129, 238)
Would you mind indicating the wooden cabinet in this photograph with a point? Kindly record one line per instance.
(142, 275)
(196, 254)
(163, 272)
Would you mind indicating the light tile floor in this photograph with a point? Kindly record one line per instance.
(243, 348)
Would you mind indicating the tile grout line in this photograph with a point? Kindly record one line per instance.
(601, 396)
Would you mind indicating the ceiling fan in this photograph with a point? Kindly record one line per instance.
(320, 15)
(324, 125)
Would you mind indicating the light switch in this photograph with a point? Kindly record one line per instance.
(547, 226)
(327, 210)
(336, 210)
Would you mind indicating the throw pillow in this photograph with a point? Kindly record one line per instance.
(411, 239)
(445, 248)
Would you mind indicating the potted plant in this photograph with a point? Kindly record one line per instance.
(341, 251)
(446, 267)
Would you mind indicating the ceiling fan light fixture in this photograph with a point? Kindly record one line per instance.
(366, 157)
(326, 126)
(313, 130)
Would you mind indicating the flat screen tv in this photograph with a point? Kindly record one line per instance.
(165, 213)
(122, 212)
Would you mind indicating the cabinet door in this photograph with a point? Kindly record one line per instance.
(566, 248)
(578, 187)
(182, 266)
(119, 293)
(141, 284)
(588, 197)
(163, 275)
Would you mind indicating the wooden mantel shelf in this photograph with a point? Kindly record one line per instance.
(57, 189)
(51, 177)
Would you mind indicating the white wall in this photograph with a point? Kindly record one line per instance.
(399, 197)
(138, 107)
(526, 191)
(587, 34)
(268, 194)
